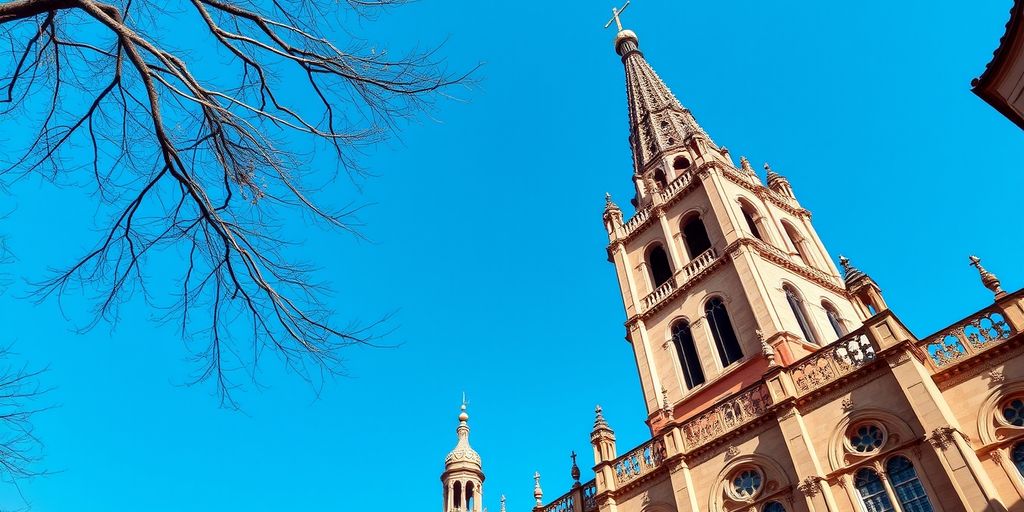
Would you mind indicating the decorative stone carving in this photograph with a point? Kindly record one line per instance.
(847, 404)
(942, 437)
(766, 349)
(731, 451)
(995, 377)
(809, 486)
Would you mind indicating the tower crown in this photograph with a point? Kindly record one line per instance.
(463, 456)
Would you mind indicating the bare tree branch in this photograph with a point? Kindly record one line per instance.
(199, 167)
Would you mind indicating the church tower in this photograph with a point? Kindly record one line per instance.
(463, 475)
(720, 273)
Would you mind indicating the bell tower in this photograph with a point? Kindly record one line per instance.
(463, 475)
(717, 269)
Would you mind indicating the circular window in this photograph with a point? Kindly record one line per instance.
(1013, 411)
(866, 438)
(747, 482)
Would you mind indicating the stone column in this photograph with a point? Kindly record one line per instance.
(805, 462)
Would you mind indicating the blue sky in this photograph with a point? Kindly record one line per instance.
(487, 244)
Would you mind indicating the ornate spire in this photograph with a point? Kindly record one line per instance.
(745, 165)
(538, 494)
(773, 178)
(851, 272)
(575, 471)
(599, 422)
(463, 454)
(987, 278)
(657, 121)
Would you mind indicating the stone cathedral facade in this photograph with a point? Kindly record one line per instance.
(775, 381)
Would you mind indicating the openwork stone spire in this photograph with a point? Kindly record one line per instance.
(463, 452)
(657, 121)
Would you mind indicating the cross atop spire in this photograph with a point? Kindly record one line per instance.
(616, 11)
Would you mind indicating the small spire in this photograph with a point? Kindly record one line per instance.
(575, 472)
(599, 422)
(608, 203)
(987, 278)
(666, 408)
(773, 178)
(745, 165)
(851, 272)
(538, 494)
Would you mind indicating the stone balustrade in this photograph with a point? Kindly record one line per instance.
(564, 503)
(727, 415)
(677, 184)
(833, 361)
(967, 337)
(639, 461)
(639, 219)
(589, 493)
(688, 272)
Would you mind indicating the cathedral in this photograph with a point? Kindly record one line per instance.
(774, 380)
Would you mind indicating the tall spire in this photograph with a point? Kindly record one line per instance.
(658, 123)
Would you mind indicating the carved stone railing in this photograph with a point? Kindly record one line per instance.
(565, 503)
(728, 415)
(702, 261)
(832, 362)
(638, 219)
(589, 493)
(677, 184)
(660, 293)
(639, 462)
(967, 337)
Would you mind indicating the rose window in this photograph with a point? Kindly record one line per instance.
(746, 483)
(1013, 412)
(867, 438)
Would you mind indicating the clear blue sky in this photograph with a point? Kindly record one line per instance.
(487, 241)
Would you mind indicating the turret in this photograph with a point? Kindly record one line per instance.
(866, 294)
(463, 475)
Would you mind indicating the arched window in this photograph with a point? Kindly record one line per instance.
(1017, 455)
(682, 337)
(906, 485)
(660, 178)
(749, 213)
(833, 318)
(773, 506)
(797, 305)
(457, 499)
(661, 270)
(872, 491)
(695, 237)
(470, 496)
(721, 329)
(680, 163)
(798, 243)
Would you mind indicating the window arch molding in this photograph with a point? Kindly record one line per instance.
(694, 240)
(839, 325)
(688, 364)
(776, 484)
(726, 340)
(992, 428)
(804, 318)
(896, 430)
(759, 220)
(799, 243)
(881, 467)
(651, 275)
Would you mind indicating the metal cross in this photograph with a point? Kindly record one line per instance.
(615, 16)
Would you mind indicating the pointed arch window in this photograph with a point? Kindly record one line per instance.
(657, 262)
(695, 236)
(682, 338)
(907, 486)
(799, 243)
(872, 491)
(721, 329)
(797, 305)
(1017, 455)
(833, 318)
(773, 506)
(751, 218)
(660, 178)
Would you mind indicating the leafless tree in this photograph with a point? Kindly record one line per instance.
(20, 394)
(189, 154)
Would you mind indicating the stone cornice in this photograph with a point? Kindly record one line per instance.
(763, 192)
(776, 256)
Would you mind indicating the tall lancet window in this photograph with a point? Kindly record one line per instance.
(721, 329)
(749, 215)
(682, 338)
(798, 243)
(833, 318)
(797, 305)
(872, 491)
(657, 261)
(695, 236)
(909, 491)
